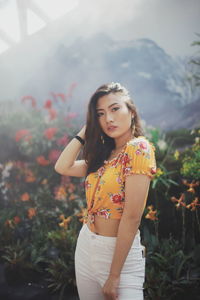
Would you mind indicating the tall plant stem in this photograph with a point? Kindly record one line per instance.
(197, 217)
(183, 226)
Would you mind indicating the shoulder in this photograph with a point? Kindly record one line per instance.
(140, 144)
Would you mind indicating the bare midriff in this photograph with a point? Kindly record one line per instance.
(106, 227)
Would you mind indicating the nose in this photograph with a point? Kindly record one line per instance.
(109, 118)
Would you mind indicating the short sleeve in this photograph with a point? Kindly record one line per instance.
(139, 158)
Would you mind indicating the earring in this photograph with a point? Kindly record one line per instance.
(133, 125)
(102, 139)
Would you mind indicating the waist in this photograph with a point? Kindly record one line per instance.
(103, 226)
(111, 239)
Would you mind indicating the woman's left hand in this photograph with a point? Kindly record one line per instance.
(110, 287)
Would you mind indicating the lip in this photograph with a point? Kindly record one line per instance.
(111, 128)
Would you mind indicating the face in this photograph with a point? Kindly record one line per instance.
(113, 115)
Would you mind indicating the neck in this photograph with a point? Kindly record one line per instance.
(122, 140)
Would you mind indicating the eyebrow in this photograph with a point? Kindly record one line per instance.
(108, 106)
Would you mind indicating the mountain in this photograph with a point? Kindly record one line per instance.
(154, 79)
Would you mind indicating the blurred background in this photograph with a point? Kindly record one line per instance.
(53, 56)
(48, 46)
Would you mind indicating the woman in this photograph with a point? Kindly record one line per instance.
(119, 163)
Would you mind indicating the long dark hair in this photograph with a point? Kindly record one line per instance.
(95, 151)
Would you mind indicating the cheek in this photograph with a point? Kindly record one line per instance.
(101, 122)
(125, 116)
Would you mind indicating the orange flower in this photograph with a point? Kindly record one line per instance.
(180, 201)
(72, 197)
(151, 215)
(16, 220)
(61, 193)
(50, 132)
(9, 223)
(65, 222)
(83, 214)
(30, 176)
(44, 181)
(41, 160)
(71, 188)
(191, 190)
(191, 185)
(31, 212)
(25, 197)
(62, 217)
(193, 205)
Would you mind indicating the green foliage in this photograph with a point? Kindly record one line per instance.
(191, 162)
(170, 272)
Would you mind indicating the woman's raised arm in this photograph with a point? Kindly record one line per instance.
(67, 163)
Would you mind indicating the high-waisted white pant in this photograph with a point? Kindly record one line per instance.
(93, 258)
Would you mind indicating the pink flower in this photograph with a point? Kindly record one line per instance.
(53, 155)
(101, 171)
(87, 184)
(143, 145)
(50, 132)
(103, 212)
(127, 170)
(138, 151)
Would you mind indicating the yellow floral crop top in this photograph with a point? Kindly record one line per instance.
(105, 187)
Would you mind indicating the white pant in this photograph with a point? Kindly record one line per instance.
(93, 258)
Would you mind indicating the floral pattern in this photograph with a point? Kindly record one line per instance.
(105, 188)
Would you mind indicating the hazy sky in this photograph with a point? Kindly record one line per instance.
(172, 23)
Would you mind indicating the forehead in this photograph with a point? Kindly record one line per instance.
(105, 101)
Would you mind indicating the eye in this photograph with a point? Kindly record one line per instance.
(99, 114)
(115, 108)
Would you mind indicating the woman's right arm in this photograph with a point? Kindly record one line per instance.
(67, 163)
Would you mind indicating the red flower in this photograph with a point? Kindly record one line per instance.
(60, 95)
(53, 155)
(124, 159)
(52, 113)
(153, 170)
(70, 116)
(17, 220)
(116, 198)
(31, 212)
(31, 98)
(42, 161)
(48, 104)
(50, 132)
(62, 141)
(20, 134)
